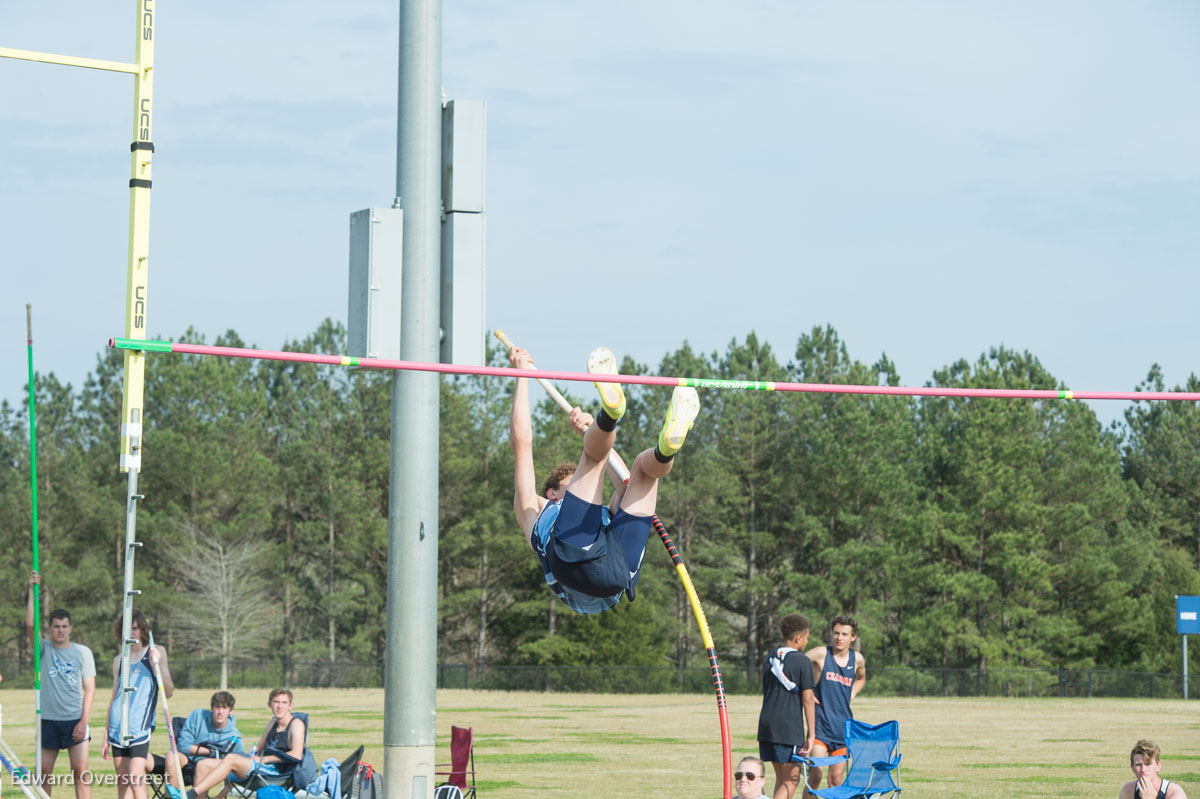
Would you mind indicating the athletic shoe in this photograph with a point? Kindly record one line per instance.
(612, 397)
(681, 414)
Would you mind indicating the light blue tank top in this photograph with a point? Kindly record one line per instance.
(580, 603)
(142, 704)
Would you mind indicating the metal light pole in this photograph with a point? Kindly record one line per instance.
(410, 685)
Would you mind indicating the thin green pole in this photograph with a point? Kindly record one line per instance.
(37, 599)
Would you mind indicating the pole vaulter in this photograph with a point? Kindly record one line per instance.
(615, 462)
(647, 380)
(141, 149)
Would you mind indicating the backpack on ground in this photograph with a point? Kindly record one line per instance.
(367, 784)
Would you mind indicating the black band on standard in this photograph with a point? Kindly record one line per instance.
(138, 183)
(141, 145)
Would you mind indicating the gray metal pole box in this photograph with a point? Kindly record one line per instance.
(463, 319)
(464, 146)
(376, 258)
(464, 166)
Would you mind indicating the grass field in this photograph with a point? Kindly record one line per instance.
(581, 746)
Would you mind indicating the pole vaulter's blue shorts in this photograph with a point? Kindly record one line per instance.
(593, 558)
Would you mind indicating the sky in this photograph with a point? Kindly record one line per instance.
(930, 178)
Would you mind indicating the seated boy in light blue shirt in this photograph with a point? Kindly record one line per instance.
(209, 735)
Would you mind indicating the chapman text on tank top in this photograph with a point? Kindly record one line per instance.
(833, 690)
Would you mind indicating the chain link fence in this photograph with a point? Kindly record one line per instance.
(892, 681)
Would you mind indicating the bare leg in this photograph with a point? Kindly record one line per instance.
(787, 779)
(48, 758)
(131, 777)
(137, 777)
(204, 767)
(837, 773)
(121, 766)
(169, 770)
(79, 770)
(588, 481)
(641, 495)
(236, 764)
(814, 773)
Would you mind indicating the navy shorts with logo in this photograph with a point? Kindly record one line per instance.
(593, 558)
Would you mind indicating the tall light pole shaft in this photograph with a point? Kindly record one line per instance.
(409, 731)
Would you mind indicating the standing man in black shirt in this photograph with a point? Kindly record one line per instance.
(786, 721)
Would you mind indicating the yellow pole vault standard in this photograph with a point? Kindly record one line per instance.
(137, 269)
(141, 150)
(141, 153)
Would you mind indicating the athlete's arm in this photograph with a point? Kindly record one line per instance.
(860, 674)
(262, 742)
(89, 695)
(1175, 792)
(296, 740)
(188, 741)
(816, 656)
(116, 678)
(810, 719)
(614, 477)
(1127, 790)
(168, 683)
(526, 504)
(108, 713)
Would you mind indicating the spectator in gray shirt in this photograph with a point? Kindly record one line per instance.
(68, 687)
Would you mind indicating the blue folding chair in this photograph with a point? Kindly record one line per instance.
(874, 754)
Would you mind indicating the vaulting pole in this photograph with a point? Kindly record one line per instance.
(37, 597)
(650, 380)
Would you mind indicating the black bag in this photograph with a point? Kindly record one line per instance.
(367, 783)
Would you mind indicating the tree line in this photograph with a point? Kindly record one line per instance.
(978, 533)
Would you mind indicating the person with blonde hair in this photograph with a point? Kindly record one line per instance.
(1145, 760)
(750, 778)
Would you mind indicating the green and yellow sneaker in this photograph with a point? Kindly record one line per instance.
(612, 397)
(681, 414)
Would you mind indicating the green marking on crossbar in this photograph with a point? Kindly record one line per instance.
(141, 344)
(744, 385)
